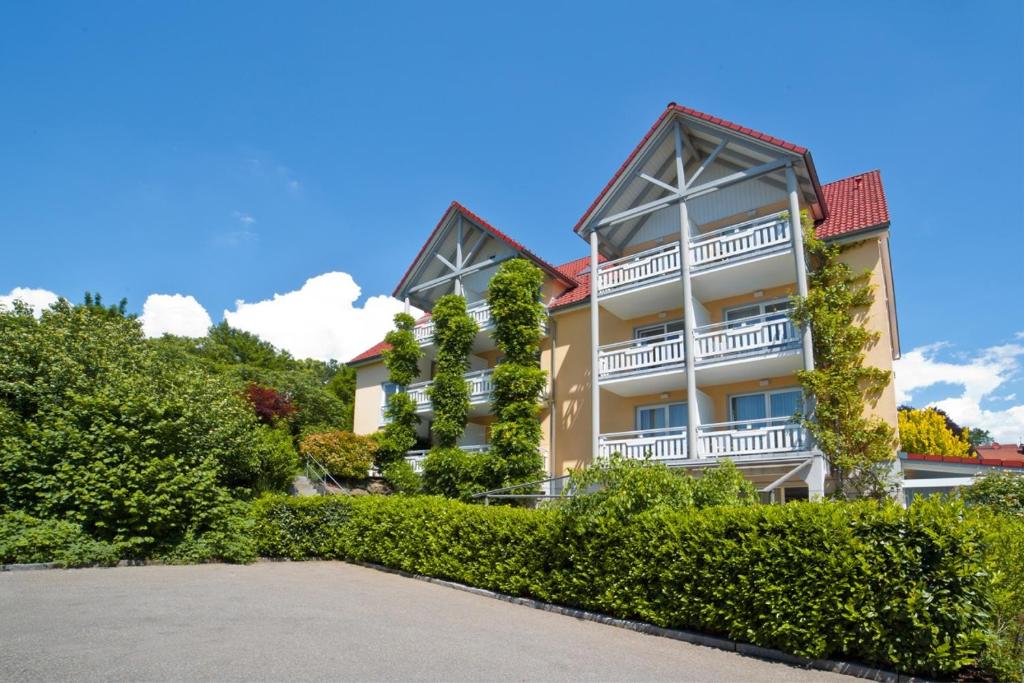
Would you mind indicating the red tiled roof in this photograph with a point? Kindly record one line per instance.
(455, 206)
(1003, 461)
(673, 107)
(372, 352)
(854, 204)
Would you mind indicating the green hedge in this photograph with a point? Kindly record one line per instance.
(907, 589)
(25, 539)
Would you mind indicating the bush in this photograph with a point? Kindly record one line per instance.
(25, 539)
(999, 491)
(1004, 548)
(455, 473)
(402, 478)
(344, 454)
(865, 581)
(620, 488)
(227, 538)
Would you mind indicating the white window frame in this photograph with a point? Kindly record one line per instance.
(767, 400)
(652, 406)
(761, 306)
(663, 325)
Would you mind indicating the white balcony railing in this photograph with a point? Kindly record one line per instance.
(742, 240)
(745, 337)
(479, 312)
(752, 437)
(650, 354)
(640, 268)
(481, 385)
(668, 444)
(770, 436)
(416, 458)
(713, 248)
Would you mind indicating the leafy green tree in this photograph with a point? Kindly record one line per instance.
(454, 331)
(514, 300)
(859, 448)
(980, 437)
(402, 361)
(139, 448)
(1001, 492)
(94, 302)
(448, 470)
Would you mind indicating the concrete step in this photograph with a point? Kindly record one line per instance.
(301, 486)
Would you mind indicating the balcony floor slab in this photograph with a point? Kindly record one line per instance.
(646, 382)
(759, 366)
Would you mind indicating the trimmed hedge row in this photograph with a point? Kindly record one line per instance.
(900, 588)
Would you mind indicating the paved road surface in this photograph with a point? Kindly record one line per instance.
(320, 621)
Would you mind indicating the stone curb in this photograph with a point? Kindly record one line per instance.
(847, 668)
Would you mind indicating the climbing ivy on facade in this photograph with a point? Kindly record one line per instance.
(858, 447)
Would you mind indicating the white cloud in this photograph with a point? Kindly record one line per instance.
(978, 376)
(244, 218)
(38, 299)
(319, 320)
(174, 314)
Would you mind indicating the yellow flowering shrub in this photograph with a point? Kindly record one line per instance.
(925, 431)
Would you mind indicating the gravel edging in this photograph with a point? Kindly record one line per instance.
(831, 665)
(834, 666)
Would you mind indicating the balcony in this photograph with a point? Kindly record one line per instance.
(480, 312)
(647, 282)
(480, 387)
(762, 346)
(643, 366)
(742, 439)
(416, 458)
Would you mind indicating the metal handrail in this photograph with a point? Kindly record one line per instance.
(501, 492)
(467, 376)
(316, 472)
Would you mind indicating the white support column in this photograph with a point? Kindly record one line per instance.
(408, 307)
(815, 479)
(796, 229)
(595, 342)
(692, 408)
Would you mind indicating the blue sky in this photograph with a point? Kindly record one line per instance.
(231, 151)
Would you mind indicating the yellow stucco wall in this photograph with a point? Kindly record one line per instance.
(369, 397)
(867, 257)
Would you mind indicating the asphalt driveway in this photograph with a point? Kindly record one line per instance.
(320, 621)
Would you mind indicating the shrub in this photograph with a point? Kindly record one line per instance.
(454, 331)
(925, 431)
(344, 454)
(455, 473)
(621, 488)
(402, 478)
(866, 581)
(278, 461)
(1000, 491)
(227, 538)
(1004, 548)
(402, 361)
(268, 403)
(25, 539)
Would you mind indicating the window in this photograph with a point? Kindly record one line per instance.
(772, 310)
(657, 329)
(657, 420)
(770, 404)
(388, 389)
